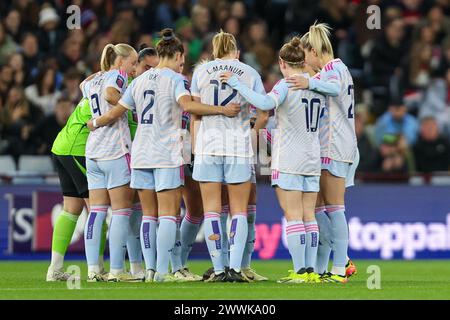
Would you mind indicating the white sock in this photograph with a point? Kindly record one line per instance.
(116, 272)
(57, 261)
(338, 270)
(94, 269)
(135, 268)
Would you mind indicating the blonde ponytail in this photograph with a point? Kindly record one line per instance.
(318, 38)
(223, 44)
(111, 52)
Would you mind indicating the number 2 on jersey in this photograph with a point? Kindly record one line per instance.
(350, 109)
(144, 118)
(216, 93)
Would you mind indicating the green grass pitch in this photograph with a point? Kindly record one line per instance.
(399, 280)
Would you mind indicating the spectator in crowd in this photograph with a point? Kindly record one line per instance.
(30, 50)
(385, 60)
(222, 13)
(71, 91)
(46, 130)
(437, 103)
(396, 122)
(18, 118)
(420, 66)
(13, 25)
(6, 79)
(388, 52)
(432, 149)
(260, 54)
(50, 37)
(17, 65)
(7, 45)
(29, 13)
(43, 94)
(3, 142)
(392, 154)
(201, 20)
(145, 12)
(445, 57)
(71, 54)
(89, 23)
(367, 151)
(169, 11)
(336, 13)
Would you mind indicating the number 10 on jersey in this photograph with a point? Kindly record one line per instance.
(312, 113)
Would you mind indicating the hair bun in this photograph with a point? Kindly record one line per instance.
(167, 34)
(295, 42)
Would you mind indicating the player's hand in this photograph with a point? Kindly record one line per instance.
(229, 78)
(298, 82)
(224, 77)
(90, 125)
(231, 110)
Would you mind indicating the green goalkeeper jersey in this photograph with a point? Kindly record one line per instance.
(71, 140)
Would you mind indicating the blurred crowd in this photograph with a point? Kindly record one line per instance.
(401, 71)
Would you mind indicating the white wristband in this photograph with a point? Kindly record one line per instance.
(94, 123)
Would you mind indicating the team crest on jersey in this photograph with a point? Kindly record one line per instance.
(120, 81)
(214, 237)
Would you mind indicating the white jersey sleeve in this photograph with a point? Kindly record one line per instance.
(127, 100)
(279, 92)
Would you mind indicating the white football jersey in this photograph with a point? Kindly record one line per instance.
(158, 140)
(219, 135)
(295, 141)
(113, 141)
(337, 125)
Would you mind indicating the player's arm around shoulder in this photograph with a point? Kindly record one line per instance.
(120, 107)
(186, 101)
(201, 109)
